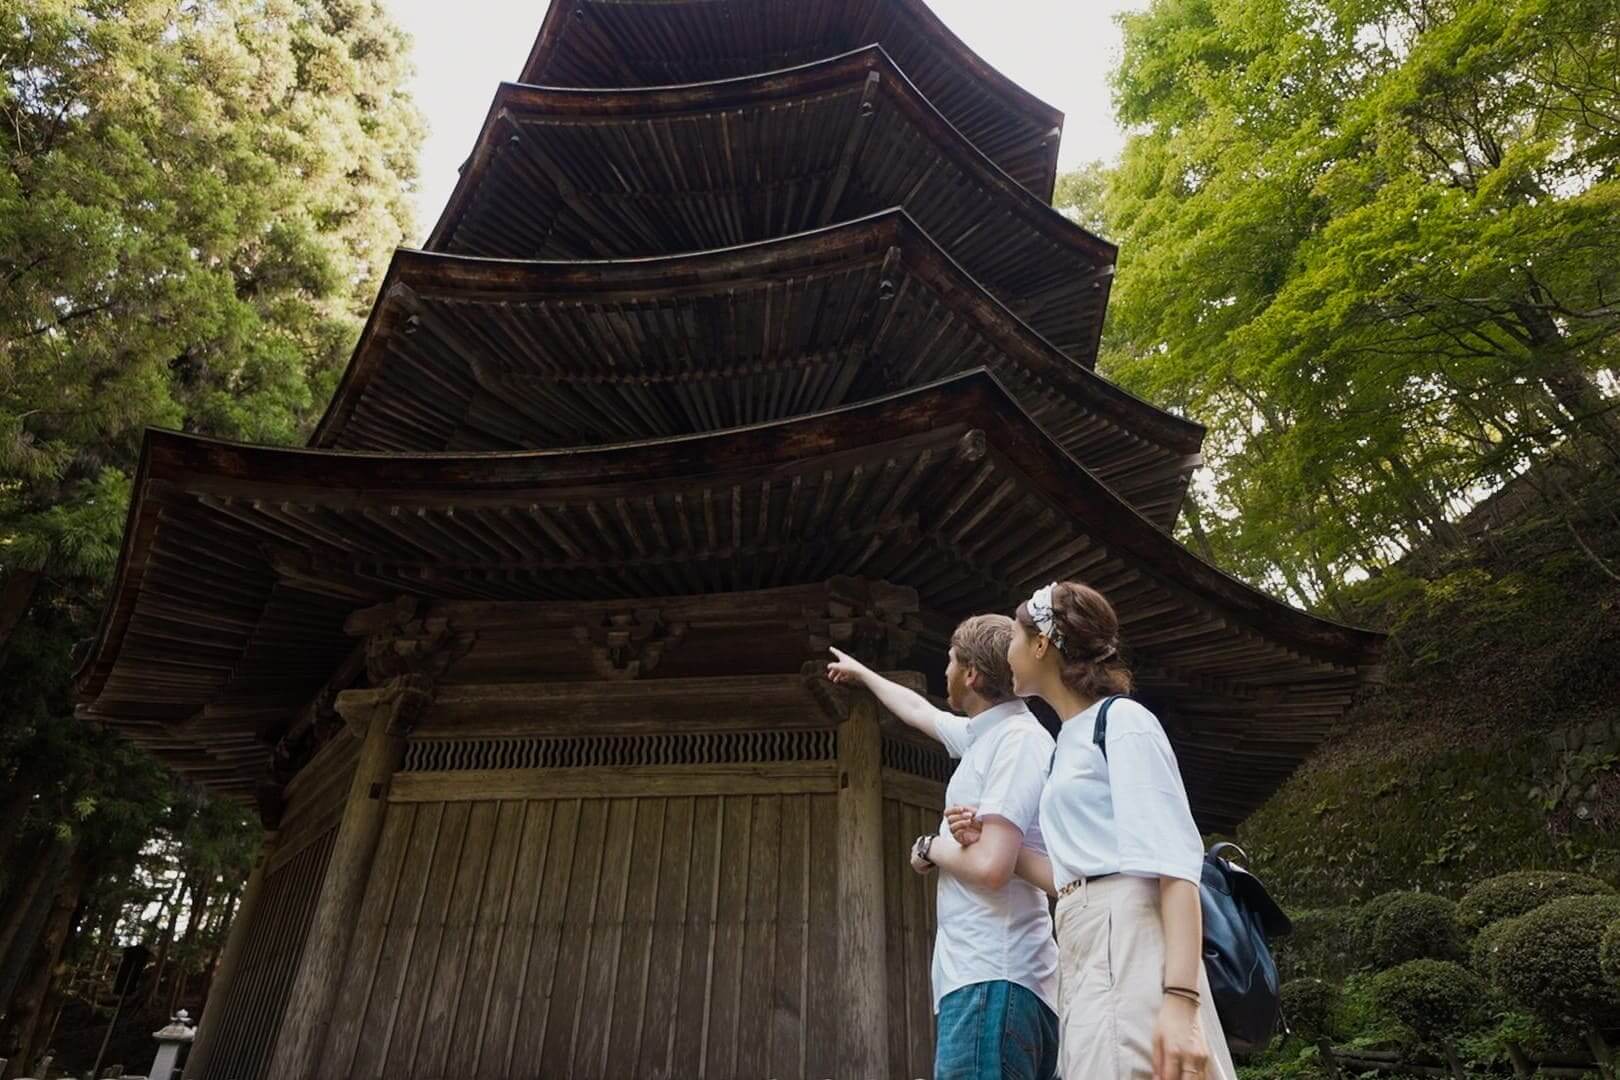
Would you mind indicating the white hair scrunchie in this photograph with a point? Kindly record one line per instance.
(1040, 609)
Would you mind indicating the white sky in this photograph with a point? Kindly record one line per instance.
(1060, 50)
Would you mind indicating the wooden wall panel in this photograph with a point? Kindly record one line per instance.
(909, 911)
(275, 943)
(597, 937)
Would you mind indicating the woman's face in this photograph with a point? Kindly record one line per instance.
(1025, 655)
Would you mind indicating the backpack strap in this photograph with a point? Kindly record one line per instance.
(1099, 727)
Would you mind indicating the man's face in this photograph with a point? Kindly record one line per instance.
(956, 682)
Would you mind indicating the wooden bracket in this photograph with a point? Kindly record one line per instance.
(871, 620)
(628, 644)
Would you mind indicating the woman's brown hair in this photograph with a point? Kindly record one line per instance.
(1087, 640)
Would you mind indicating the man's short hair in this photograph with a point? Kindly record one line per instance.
(981, 643)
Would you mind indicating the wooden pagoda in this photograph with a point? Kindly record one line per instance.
(747, 330)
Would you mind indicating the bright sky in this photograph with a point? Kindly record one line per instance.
(1060, 50)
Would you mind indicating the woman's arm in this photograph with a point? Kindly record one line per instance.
(1036, 869)
(1032, 866)
(1179, 1047)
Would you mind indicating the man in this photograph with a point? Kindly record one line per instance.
(995, 962)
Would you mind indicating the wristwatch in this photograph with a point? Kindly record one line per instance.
(923, 845)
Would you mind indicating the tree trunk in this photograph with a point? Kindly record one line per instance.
(29, 1007)
(15, 597)
(164, 943)
(1421, 503)
(1452, 1061)
(1600, 1051)
(14, 813)
(196, 913)
(221, 933)
(20, 932)
(1522, 1069)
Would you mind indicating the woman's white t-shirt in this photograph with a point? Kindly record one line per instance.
(1126, 813)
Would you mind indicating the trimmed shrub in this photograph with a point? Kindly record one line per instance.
(1487, 946)
(1438, 999)
(1609, 953)
(1511, 895)
(1549, 961)
(1321, 946)
(1361, 921)
(1415, 926)
(1308, 1006)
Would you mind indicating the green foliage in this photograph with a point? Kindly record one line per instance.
(1308, 1006)
(1507, 896)
(1372, 246)
(1322, 944)
(1414, 926)
(1486, 948)
(1437, 999)
(1609, 954)
(1549, 961)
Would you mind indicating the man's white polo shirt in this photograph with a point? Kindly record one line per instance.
(992, 934)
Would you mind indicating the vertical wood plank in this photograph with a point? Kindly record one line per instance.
(445, 989)
(824, 983)
(534, 1017)
(422, 965)
(916, 975)
(573, 936)
(486, 961)
(503, 1014)
(898, 875)
(302, 1035)
(861, 944)
(596, 1007)
(730, 910)
(371, 1048)
(668, 936)
(376, 914)
(792, 908)
(756, 986)
(697, 956)
(635, 950)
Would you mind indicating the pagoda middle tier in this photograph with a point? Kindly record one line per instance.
(488, 354)
(590, 174)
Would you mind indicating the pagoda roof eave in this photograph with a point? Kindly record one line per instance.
(416, 279)
(927, 31)
(1047, 233)
(966, 408)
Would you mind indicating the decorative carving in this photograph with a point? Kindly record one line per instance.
(403, 701)
(868, 619)
(400, 641)
(629, 644)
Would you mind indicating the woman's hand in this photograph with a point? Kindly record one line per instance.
(964, 824)
(845, 669)
(1179, 1049)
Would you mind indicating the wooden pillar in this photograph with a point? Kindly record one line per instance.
(861, 941)
(381, 716)
(219, 987)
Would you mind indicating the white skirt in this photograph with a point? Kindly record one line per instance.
(1111, 970)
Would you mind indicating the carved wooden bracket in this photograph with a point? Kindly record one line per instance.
(835, 699)
(402, 701)
(870, 620)
(400, 641)
(628, 644)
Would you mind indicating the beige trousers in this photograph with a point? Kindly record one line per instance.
(1111, 969)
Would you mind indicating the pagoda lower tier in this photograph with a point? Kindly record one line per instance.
(465, 353)
(578, 174)
(552, 779)
(619, 43)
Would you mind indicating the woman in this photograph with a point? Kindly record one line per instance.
(1125, 857)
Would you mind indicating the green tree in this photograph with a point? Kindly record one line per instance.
(196, 203)
(1372, 244)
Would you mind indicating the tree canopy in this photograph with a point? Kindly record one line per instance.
(1373, 245)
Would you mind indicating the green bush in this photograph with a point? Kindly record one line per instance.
(1438, 999)
(1414, 926)
(1321, 946)
(1508, 896)
(1609, 953)
(1361, 922)
(1308, 1006)
(1358, 1021)
(1487, 946)
(1549, 961)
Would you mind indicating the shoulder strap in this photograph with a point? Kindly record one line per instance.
(1099, 727)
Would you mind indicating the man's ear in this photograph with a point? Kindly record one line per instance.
(975, 681)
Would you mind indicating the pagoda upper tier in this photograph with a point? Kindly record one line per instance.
(623, 43)
(241, 564)
(590, 174)
(488, 354)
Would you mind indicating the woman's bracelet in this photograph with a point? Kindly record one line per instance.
(1186, 993)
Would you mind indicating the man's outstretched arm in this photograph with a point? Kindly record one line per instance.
(911, 707)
